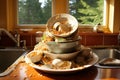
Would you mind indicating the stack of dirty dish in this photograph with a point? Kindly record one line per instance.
(61, 36)
(60, 49)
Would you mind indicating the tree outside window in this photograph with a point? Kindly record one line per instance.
(87, 11)
(39, 11)
(33, 11)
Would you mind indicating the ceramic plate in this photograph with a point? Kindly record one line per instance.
(62, 71)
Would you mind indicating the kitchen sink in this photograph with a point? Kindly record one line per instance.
(8, 56)
(107, 53)
(108, 58)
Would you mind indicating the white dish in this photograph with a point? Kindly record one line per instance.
(66, 20)
(62, 71)
(63, 56)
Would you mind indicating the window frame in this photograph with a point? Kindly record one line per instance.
(26, 26)
(12, 15)
(58, 6)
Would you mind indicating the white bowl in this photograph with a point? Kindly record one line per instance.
(63, 56)
(66, 21)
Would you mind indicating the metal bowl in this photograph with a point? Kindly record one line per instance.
(62, 25)
(64, 47)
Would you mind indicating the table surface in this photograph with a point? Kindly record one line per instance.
(25, 72)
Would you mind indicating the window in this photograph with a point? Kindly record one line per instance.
(33, 11)
(39, 11)
(109, 16)
(87, 11)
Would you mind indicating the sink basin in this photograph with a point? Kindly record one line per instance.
(107, 53)
(9, 56)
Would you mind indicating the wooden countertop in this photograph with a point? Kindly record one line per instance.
(25, 72)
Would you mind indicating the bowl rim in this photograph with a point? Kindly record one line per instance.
(57, 16)
(69, 41)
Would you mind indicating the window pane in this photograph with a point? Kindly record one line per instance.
(87, 11)
(34, 11)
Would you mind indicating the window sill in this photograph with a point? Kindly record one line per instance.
(82, 28)
(87, 29)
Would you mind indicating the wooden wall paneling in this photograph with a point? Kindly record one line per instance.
(111, 39)
(5, 41)
(94, 40)
(82, 41)
(33, 40)
(3, 14)
(26, 37)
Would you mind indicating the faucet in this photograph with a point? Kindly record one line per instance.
(16, 39)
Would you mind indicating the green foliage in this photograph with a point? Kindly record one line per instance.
(87, 11)
(47, 11)
(31, 12)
